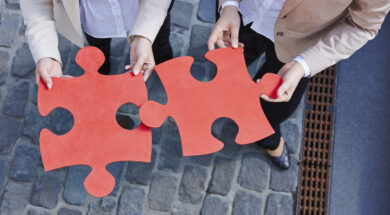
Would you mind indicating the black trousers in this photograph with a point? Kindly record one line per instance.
(162, 49)
(254, 46)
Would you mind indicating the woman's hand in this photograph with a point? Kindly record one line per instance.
(225, 31)
(141, 57)
(291, 73)
(47, 68)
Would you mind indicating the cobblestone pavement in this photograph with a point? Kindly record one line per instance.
(237, 180)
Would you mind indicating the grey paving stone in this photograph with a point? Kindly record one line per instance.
(131, 201)
(222, 177)
(214, 206)
(177, 44)
(46, 190)
(33, 131)
(34, 93)
(118, 46)
(279, 204)
(9, 28)
(198, 71)
(290, 133)
(204, 160)
(22, 29)
(64, 46)
(4, 58)
(254, 172)
(23, 64)
(228, 135)
(32, 115)
(139, 172)
(4, 164)
(13, 4)
(67, 211)
(198, 46)
(285, 180)
(183, 211)
(16, 100)
(37, 211)
(116, 170)
(156, 135)
(25, 163)
(104, 207)
(74, 191)
(73, 69)
(181, 14)
(3, 77)
(156, 90)
(169, 158)
(10, 130)
(107, 203)
(206, 11)
(247, 204)
(15, 198)
(162, 192)
(61, 121)
(192, 186)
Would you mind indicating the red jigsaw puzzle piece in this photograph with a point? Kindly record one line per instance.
(196, 105)
(95, 139)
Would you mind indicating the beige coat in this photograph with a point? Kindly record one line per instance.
(43, 17)
(324, 32)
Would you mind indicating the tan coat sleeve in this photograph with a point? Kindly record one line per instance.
(361, 25)
(150, 17)
(41, 31)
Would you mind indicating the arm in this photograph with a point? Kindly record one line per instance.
(41, 31)
(42, 39)
(363, 23)
(150, 17)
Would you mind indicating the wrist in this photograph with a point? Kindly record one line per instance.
(230, 3)
(135, 38)
(229, 8)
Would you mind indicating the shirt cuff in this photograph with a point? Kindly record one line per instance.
(228, 3)
(304, 65)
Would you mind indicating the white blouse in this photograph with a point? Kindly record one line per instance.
(108, 18)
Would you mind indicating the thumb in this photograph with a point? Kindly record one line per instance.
(46, 78)
(283, 89)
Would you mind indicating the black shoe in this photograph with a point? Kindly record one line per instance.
(282, 161)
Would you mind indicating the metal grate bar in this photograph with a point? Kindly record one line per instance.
(316, 147)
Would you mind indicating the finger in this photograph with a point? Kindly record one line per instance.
(282, 90)
(268, 99)
(128, 67)
(147, 73)
(66, 76)
(234, 36)
(212, 40)
(138, 66)
(241, 45)
(46, 78)
(37, 78)
(221, 44)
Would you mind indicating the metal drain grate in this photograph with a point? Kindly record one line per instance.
(316, 147)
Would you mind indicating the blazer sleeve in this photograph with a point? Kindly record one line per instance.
(150, 17)
(361, 25)
(40, 28)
